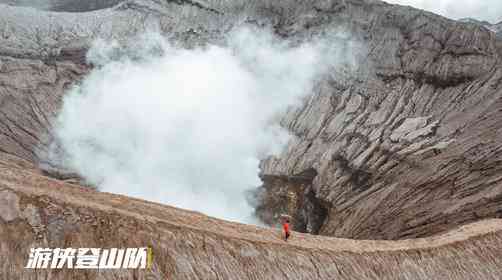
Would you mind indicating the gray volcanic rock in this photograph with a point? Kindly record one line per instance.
(413, 149)
(407, 145)
(46, 213)
(64, 5)
(43, 53)
(497, 28)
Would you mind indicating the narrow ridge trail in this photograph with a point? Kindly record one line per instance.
(38, 211)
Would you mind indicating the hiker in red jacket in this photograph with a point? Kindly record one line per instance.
(285, 227)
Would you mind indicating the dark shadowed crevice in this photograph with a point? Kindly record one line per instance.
(292, 195)
(315, 213)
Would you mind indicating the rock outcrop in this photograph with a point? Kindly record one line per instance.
(413, 147)
(497, 28)
(37, 211)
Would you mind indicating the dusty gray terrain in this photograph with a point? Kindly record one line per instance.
(37, 211)
(412, 150)
(407, 145)
(497, 28)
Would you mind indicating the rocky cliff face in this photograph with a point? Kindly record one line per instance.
(497, 28)
(407, 146)
(36, 211)
(411, 148)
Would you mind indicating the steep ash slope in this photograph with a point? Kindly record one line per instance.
(414, 149)
(39, 211)
(407, 146)
(497, 28)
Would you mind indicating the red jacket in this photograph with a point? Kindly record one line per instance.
(285, 226)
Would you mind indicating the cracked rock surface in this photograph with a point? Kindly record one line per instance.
(408, 147)
(189, 245)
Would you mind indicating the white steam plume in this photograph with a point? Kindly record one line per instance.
(187, 127)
